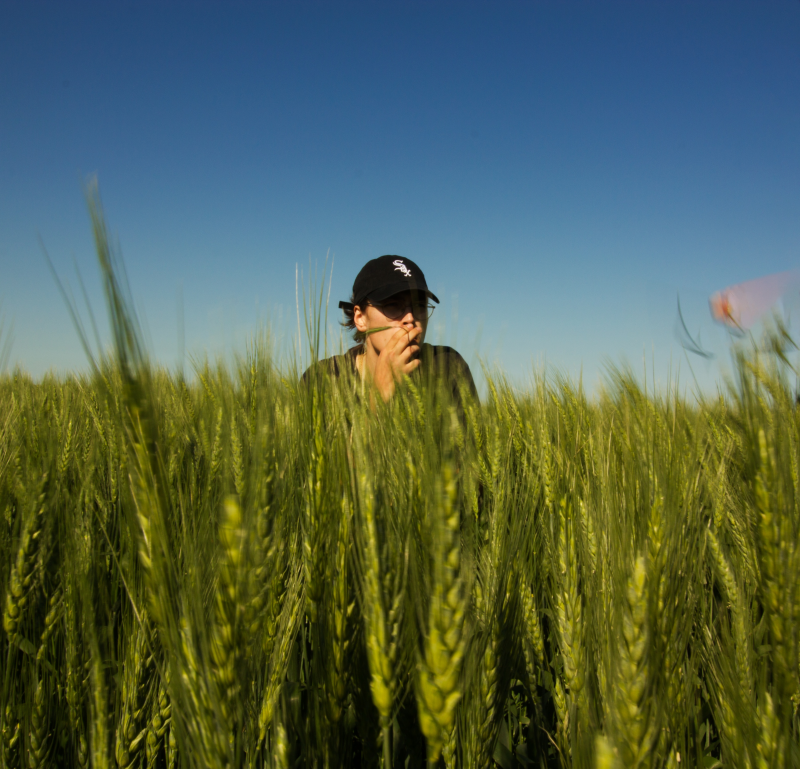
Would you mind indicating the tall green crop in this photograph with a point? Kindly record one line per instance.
(246, 570)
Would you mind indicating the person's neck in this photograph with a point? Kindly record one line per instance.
(367, 360)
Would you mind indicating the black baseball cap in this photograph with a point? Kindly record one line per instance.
(386, 276)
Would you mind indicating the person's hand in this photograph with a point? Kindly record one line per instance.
(397, 359)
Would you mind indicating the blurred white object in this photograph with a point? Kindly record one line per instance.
(740, 306)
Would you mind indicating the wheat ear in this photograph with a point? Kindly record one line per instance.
(604, 755)
(131, 731)
(280, 750)
(340, 608)
(23, 574)
(771, 743)
(55, 610)
(228, 604)
(380, 651)
(569, 609)
(775, 542)
(290, 617)
(11, 737)
(437, 684)
(741, 629)
(632, 674)
(37, 735)
(159, 723)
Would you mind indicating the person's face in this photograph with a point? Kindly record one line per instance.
(406, 310)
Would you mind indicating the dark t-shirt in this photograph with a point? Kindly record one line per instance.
(445, 361)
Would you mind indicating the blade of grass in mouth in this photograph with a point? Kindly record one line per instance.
(375, 330)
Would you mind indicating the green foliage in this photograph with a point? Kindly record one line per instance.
(247, 570)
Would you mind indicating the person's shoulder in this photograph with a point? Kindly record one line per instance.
(451, 363)
(448, 355)
(442, 349)
(334, 366)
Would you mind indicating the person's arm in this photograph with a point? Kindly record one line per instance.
(451, 370)
(328, 365)
(464, 376)
(461, 380)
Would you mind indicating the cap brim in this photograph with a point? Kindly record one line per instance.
(384, 292)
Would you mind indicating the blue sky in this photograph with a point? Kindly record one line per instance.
(560, 170)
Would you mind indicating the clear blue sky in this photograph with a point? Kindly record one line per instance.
(560, 170)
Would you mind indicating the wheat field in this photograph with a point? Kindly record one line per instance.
(244, 571)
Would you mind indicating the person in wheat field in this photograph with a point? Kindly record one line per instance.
(388, 313)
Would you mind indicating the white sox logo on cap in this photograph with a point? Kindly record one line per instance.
(398, 265)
